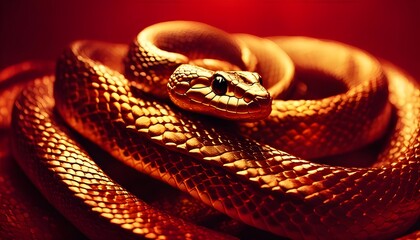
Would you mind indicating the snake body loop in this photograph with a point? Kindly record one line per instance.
(154, 55)
(246, 176)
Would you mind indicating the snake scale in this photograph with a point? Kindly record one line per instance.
(275, 173)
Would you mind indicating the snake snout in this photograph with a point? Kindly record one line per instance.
(260, 107)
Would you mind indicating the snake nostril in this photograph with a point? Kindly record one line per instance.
(248, 97)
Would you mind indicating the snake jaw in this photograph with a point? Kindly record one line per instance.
(233, 95)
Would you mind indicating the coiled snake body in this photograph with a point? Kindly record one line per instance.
(242, 169)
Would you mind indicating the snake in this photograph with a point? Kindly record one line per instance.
(234, 121)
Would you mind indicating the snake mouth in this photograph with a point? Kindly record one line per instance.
(257, 109)
(260, 108)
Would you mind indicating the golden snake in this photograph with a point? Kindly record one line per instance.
(247, 176)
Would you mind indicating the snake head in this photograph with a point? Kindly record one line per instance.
(234, 95)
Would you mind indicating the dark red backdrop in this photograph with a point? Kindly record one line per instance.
(40, 29)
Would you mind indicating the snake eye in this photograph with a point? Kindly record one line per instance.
(219, 85)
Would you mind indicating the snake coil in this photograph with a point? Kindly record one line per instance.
(257, 172)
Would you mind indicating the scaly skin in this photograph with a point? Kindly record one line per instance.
(248, 180)
(331, 125)
(24, 213)
(75, 184)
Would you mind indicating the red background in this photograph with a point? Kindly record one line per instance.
(41, 29)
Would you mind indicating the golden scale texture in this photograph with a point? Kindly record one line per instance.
(82, 191)
(332, 125)
(24, 212)
(210, 160)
